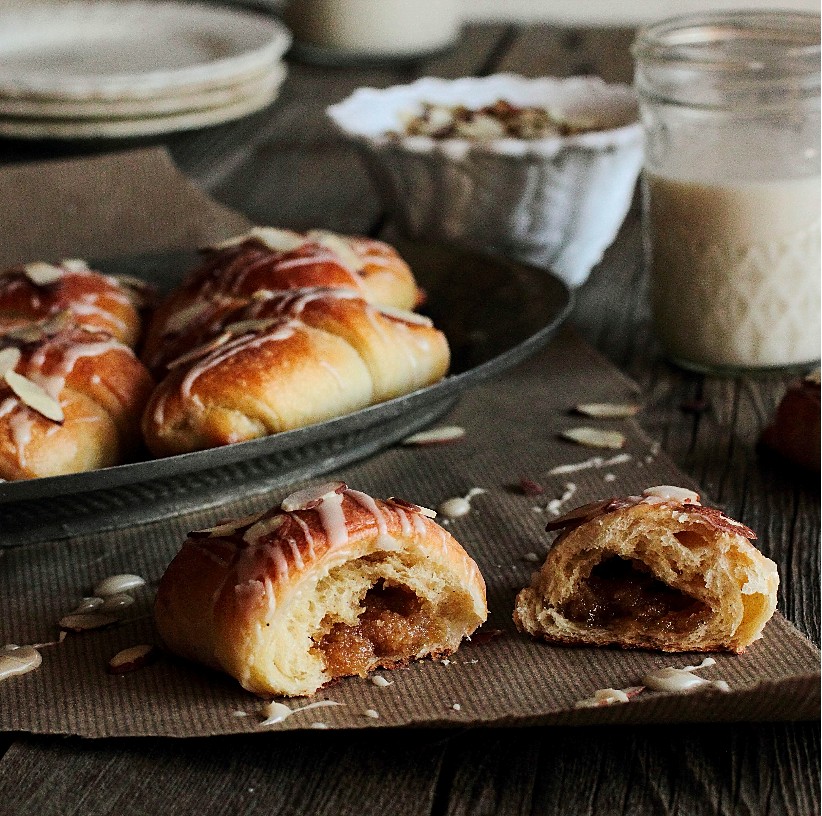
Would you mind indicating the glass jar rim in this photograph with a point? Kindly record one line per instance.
(683, 39)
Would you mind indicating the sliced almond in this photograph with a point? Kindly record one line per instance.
(200, 351)
(436, 436)
(227, 527)
(279, 240)
(311, 496)
(339, 246)
(181, 320)
(131, 659)
(405, 316)
(117, 584)
(42, 274)
(672, 493)
(814, 377)
(414, 508)
(246, 326)
(595, 438)
(86, 621)
(9, 357)
(607, 410)
(34, 396)
(74, 265)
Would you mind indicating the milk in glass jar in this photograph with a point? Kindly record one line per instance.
(730, 108)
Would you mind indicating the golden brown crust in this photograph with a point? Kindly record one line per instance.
(237, 271)
(256, 598)
(100, 386)
(94, 300)
(286, 361)
(646, 572)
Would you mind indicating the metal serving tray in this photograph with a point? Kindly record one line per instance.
(495, 313)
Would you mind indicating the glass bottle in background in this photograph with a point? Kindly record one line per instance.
(731, 183)
(351, 31)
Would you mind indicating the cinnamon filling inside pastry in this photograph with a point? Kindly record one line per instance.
(623, 595)
(393, 627)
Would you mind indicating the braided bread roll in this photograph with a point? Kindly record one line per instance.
(38, 291)
(70, 400)
(287, 360)
(332, 583)
(657, 571)
(274, 259)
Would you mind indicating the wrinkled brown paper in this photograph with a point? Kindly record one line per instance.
(504, 678)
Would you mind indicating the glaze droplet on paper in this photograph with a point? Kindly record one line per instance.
(459, 505)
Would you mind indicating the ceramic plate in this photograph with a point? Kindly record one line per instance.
(495, 313)
(130, 50)
(229, 105)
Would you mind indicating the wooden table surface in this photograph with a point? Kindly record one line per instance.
(285, 166)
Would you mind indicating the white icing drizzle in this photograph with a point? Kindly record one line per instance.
(671, 679)
(16, 660)
(21, 425)
(371, 713)
(379, 681)
(276, 712)
(369, 504)
(332, 518)
(554, 505)
(118, 584)
(459, 505)
(457, 707)
(593, 462)
(309, 539)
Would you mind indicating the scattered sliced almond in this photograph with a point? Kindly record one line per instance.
(311, 496)
(131, 659)
(9, 357)
(595, 438)
(42, 274)
(227, 527)
(34, 396)
(86, 621)
(405, 316)
(607, 410)
(436, 436)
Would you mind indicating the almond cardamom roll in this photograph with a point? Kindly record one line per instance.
(70, 400)
(287, 360)
(657, 571)
(331, 583)
(37, 291)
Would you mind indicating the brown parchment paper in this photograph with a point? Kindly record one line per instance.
(511, 431)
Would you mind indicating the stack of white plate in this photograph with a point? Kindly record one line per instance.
(111, 68)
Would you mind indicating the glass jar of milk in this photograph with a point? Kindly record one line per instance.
(730, 107)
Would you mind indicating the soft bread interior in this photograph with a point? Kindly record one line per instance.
(380, 610)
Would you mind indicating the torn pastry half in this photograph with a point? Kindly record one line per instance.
(656, 571)
(329, 584)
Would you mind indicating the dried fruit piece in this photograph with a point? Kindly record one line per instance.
(529, 487)
(595, 438)
(607, 410)
(34, 396)
(436, 436)
(131, 659)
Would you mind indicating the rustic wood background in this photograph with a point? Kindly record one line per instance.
(286, 166)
